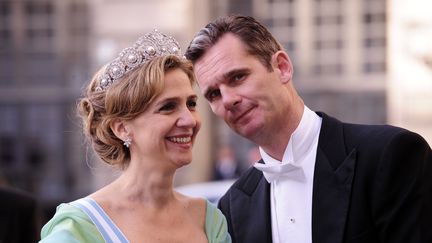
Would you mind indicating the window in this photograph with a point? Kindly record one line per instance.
(5, 28)
(78, 19)
(374, 42)
(374, 17)
(328, 44)
(374, 38)
(40, 26)
(328, 69)
(329, 20)
(289, 46)
(374, 67)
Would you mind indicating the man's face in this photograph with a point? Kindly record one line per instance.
(239, 88)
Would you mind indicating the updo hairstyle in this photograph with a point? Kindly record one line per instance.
(125, 99)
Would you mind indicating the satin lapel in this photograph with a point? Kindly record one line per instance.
(331, 197)
(250, 209)
(333, 177)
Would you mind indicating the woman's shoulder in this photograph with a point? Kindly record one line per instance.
(65, 212)
(216, 224)
(193, 204)
(70, 224)
(195, 207)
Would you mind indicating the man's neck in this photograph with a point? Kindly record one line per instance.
(279, 137)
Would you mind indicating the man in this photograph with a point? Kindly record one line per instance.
(319, 180)
(19, 216)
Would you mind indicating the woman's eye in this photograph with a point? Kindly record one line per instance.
(168, 107)
(192, 103)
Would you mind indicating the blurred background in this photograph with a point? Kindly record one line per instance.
(362, 61)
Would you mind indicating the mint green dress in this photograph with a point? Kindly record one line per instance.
(85, 221)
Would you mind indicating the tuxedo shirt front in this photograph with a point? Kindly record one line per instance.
(291, 194)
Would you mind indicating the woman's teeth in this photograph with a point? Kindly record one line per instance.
(181, 140)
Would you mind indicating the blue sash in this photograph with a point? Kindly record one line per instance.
(109, 231)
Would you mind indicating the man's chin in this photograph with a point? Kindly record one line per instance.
(246, 131)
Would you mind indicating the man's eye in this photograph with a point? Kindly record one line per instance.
(238, 77)
(213, 95)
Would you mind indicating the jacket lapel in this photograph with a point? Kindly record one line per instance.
(333, 177)
(250, 210)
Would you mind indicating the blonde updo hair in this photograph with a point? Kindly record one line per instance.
(125, 99)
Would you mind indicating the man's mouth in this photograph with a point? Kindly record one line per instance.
(238, 118)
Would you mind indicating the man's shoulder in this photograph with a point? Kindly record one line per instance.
(370, 138)
(13, 198)
(377, 133)
(247, 182)
(244, 187)
(369, 132)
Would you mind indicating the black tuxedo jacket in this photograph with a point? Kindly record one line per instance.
(371, 184)
(19, 217)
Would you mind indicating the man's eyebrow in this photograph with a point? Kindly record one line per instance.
(234, 72)
(226, 76)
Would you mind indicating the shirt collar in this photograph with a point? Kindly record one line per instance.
(300, 141)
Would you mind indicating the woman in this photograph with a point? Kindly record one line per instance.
(140, 116)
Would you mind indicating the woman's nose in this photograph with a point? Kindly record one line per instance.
(187, 118)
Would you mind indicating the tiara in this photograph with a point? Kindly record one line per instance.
(145, 49)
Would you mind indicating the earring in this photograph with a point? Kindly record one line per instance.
(127, 142)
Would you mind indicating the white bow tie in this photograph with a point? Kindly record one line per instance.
(276, 171)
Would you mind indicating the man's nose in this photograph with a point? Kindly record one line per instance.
(230, 99)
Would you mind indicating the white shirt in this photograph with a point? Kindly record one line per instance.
(291, 198)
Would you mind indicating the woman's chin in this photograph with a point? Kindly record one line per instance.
(183, 162)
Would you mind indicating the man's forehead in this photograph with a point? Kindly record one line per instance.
(211, 66)
(227, 54)
(210, 74)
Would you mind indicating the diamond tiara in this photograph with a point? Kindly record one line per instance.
(145, 49)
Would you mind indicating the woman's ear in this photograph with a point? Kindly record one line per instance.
(119, 128)
(282, 62)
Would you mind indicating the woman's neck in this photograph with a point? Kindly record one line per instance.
(153, 186)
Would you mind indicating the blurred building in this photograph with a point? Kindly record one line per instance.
(409, 86)
(43, 64)
(49, 50)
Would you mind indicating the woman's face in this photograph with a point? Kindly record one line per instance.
(167, 129)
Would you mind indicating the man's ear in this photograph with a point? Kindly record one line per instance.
(282, 62)
(119, 128)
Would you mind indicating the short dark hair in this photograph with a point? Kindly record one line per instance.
(257, 38)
